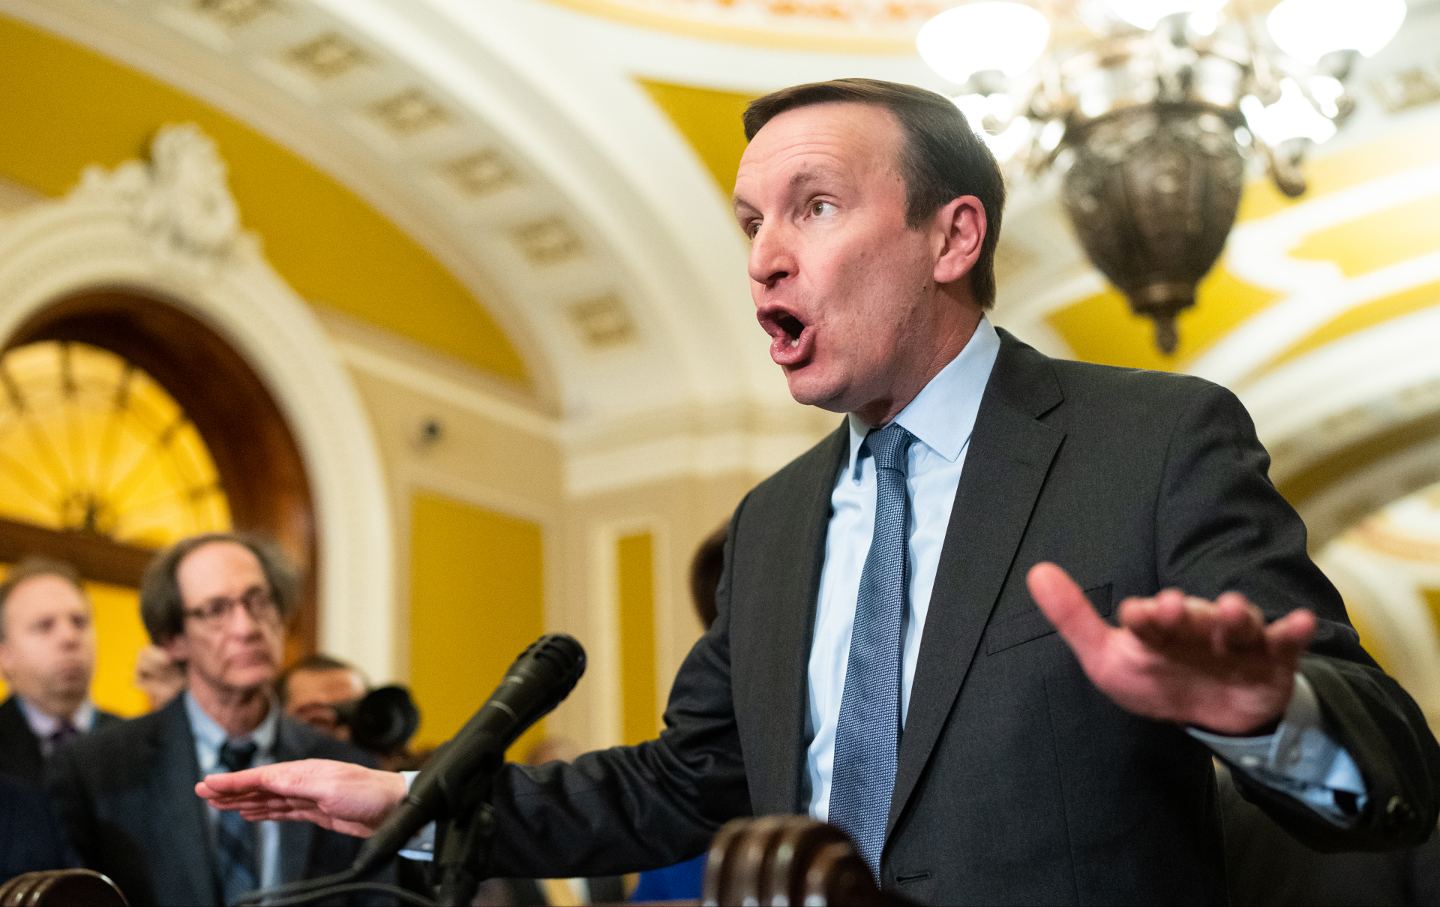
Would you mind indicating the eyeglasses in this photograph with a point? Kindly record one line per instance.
(257, 602)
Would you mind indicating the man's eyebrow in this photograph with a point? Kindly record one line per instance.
(810, 175)
(800, 179)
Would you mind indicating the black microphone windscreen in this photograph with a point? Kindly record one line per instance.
(539, 679)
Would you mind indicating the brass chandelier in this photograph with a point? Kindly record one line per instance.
(1152, 109)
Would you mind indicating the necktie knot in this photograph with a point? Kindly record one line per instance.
(237, 756)
(63, 734)
(889, 446)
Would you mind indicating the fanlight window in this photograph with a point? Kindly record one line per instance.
(89, 443)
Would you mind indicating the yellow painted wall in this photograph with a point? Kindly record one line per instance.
(66, 106)
(635, 578)
(710, 121)
(119, 636)
(476, 600)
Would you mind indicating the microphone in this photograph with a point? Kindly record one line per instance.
(540, 678)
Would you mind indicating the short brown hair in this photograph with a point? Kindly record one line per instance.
(942, 160)
(163, 610)
(31, 567)
(316, 661)
(705, 569)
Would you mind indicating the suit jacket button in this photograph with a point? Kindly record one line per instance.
(1398, 812)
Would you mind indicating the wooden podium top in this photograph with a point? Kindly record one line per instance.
(61, 888)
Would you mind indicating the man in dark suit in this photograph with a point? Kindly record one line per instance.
(47, 656)
(217, 603)
(1057, 726)
(30, 834)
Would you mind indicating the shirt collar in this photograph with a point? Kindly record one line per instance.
(942, 415)
(43, 724)
(209, 735)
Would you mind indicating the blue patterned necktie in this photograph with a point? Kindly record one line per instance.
(867, 738)
(235, 838)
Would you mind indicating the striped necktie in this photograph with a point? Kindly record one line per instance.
(235, 843)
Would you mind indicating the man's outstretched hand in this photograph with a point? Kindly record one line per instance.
(1214, 665)
(337, 795)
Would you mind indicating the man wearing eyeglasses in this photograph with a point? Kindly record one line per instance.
(218, 604)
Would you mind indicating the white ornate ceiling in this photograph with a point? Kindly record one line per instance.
(517, 142)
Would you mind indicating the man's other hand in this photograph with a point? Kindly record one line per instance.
(337, 795)
(1214, 665)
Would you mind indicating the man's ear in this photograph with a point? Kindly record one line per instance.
(178, 648)
(959, 228)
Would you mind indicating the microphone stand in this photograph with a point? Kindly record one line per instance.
(465, 843)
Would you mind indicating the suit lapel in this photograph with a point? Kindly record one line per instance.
(795, 551)
(296, 838)
(1009, 456)
(19, 749)
(181, 830)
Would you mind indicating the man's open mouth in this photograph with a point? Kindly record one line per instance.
(780, 324)
(790, 336)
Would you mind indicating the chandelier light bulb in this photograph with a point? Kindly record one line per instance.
(1309, 29)
(1147, 14)
(1289, 118)
(990, 36)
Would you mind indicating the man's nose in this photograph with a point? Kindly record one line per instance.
(70, 634)
(771, 258)
(240, 621)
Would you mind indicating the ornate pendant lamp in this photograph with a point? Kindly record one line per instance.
(1152, 110)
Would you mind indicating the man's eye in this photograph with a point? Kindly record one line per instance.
(820, 209)
(751, 228)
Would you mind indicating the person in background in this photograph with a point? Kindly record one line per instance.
(158, 676)
(682, 881)
(310, 689)
(30, 835)
(218, 604)
(47, 656)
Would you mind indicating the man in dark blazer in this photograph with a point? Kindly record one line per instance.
(30, 834)
(1049, 730)
(47, 656)
(218, 604)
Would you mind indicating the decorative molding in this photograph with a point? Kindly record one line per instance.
(236, 13)
(179, 198)
(481, 173)
(410, 113)
(167, 227)
(548, 241)
(603, 321)
(328, 56)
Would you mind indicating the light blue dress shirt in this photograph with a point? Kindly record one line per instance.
(1300, 757)
(209, 737)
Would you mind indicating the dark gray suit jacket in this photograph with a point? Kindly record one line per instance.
(127, 798)
(30, 834)
(1018, 781)
(19, 749)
